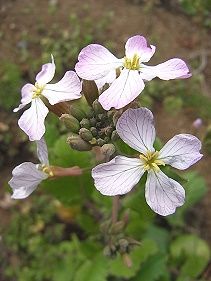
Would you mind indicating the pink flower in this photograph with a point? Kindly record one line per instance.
(68, 88)
(97, 63)
(163, 194)
(27, 176)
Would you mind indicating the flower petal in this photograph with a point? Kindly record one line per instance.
(182, 151)
(25, 179)
(163, 194)
(138, 45)
(26, 93)
(123, 90)
(32, 120)
(109, 78)
(118, 176)
(95, 62)
(136, 128)
(68, 88)
(47, 73)
(171, 69)
(42, 151)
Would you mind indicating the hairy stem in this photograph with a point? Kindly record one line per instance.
(115, 209)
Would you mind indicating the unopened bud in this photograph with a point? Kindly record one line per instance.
(101, 116)
(100, 142)
(90, 112)
(85, 134)
(93, 121)
(77, 143)
(197, 123)
(77, 112)
(114, 136)
(117, 227)
(108, 131)
(85, 123)
(123, 246)
(93, 130)
(97, 107)
(70, 122)
(108, 149)
(110, 113)
(90, 91)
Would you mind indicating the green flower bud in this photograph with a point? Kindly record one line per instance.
(101, 116)
(85, 134)
(77, 112)
(93, 121)
(90, 91)
(97, 107)
(70, 122)
(108, 131)
(85, 123)
(77, 143)
(100, 142)
(117, 227)
(114, 136)
(90, 112)
(108, 150)
(123, 246)
(93, 130)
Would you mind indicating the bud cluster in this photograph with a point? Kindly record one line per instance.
(95, 127)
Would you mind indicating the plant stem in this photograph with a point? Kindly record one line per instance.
(115, 209)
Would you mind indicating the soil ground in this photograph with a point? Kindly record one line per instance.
(174, 34)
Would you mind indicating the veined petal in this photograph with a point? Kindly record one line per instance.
(95, 62)
(123, 90)
(138, 45)
(171, 69)
(68, 88)
(25, 180)
(47, 73)
(118, 176)
(42, 151)
(136, 128)
(163, 194)
(32, 120)
(26, 96)
(181, 152)
(109, 78)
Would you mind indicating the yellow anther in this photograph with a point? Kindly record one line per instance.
(132, 63)
(151, 161)
(46, 169)
(38, 91)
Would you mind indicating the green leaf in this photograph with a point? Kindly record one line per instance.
(93, 270)
(191, 254)
(153, 269)
(69, 189)
(139, 255)
(195, 190)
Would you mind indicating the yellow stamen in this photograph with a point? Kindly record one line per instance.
(38, 91)
(132, 63)
(46, 169)
(151, 161)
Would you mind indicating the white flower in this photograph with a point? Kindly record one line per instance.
(68, 88)
(27, 176)
(97, 63)
(163, 194)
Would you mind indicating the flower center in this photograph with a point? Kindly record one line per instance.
(151, 161)
(38, 91)
(132, 63)
(46, 169)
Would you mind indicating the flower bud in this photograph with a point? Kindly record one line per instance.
(117, 227)
(70, 122)
(100, 142)
(101, 116)
(93, 121)
(77, 112)
(108, 149)
(97, 107)
(85, 134)
(114, 136)
(123, 246)
(197, 123)
(85, 123)
(77, 143)
(93, 130)
(90, 112)
(90, 91)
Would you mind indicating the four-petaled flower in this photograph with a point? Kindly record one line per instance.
(163, 194)
(27, 176)
(99, 64)
(68, 88)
